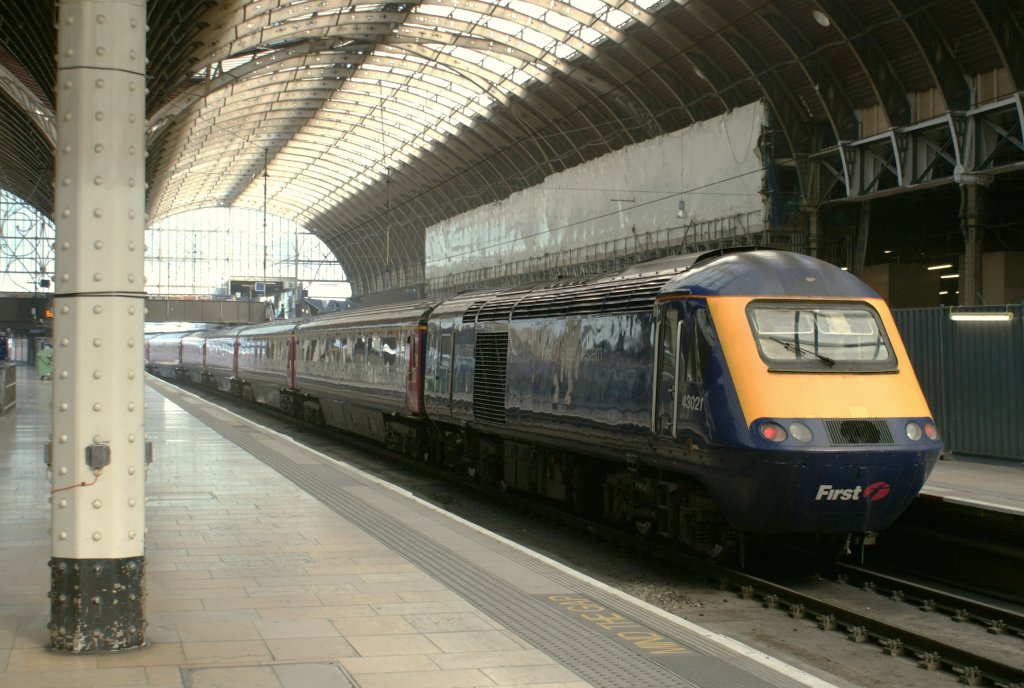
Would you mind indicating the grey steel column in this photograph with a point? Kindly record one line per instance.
(97, 452)
(971, 214)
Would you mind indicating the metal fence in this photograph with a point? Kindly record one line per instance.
(972, 374)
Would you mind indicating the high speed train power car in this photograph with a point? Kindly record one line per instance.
(700, 397)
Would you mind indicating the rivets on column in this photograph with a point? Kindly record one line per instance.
(99, 118)
(97, 277)
(63, 406)
(97, 212)
(100, 51)
(64, 310)
(131, 501)
(67, 149)
(98, 148)
(63, 375)
(131, 181)
(98, 179)
(131, 245)
(131, 374)
(97, 342)
(63, 535)
(63, 470)
(132, 534)
(97, 407)
(63, 504)
(131, 405)
(97, 536)
(63, 439)
(66, 181)
(131, 310)
(65, 245)
(97, 504)
(65, 277)
(131, 437)
(64, 341)
(101, 19)
(131, 342)
(131, 470)
(97, 309)
(98, 244)
(96, 375)
(100, 83)
(66, 212)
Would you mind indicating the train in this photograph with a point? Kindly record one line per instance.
(703, 398)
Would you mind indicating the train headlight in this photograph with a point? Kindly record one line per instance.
(914, 431)
(773, 432)
(930, 431)
(799, 431)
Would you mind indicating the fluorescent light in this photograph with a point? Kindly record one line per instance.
(943, 293)
(953, 276)
(1002, 316)
(940, 267)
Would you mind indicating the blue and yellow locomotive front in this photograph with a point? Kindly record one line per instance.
(793, 394)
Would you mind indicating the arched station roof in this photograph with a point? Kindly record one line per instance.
(368, 122)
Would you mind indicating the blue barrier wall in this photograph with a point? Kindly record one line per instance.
(973, 376)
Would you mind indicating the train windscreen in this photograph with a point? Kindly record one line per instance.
(841, 337)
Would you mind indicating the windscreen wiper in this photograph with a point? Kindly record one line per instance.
(796, 348)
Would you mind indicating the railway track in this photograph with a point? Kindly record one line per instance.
(979, 641)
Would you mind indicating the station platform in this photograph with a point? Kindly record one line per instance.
(270, 565)
(978, 484)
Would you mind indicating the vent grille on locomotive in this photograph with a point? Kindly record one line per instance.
(489, 376)
(858, 431)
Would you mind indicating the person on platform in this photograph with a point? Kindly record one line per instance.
(44, 362)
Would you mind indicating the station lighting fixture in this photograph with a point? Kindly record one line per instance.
(978, 316)
(940, 267)
(953, 276)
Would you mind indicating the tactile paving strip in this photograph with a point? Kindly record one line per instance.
(590, 655)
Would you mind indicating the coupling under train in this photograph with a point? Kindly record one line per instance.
(703, 398)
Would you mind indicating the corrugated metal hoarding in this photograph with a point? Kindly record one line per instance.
(972, 373)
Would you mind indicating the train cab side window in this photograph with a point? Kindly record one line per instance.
(699, 353)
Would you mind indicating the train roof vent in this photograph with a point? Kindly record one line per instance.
(474, 308)
(619, 296)
(858, 431)
(491, 357)
(499, 308)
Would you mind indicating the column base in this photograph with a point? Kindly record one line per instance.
(96, 604)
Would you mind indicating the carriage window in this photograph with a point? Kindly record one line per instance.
(372, 350)
(389, 349)
(820, 337)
